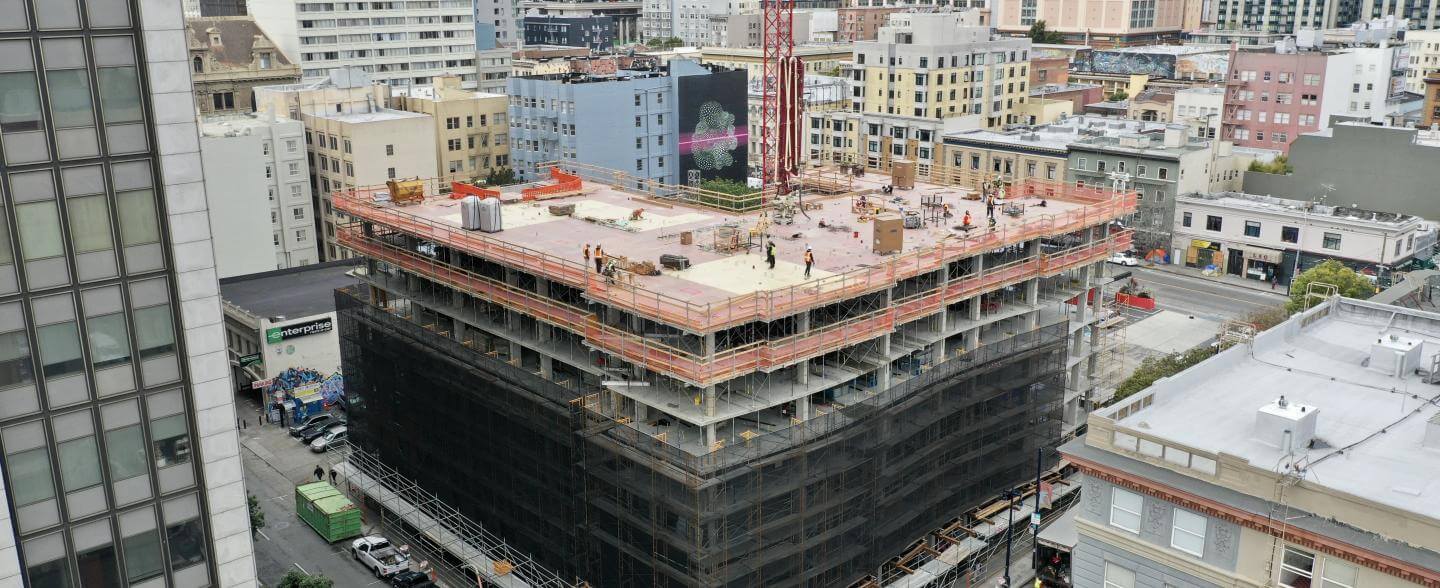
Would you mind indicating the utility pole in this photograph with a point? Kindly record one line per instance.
(1009, 534)
(1035, 560)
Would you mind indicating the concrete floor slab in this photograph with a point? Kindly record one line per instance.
(1170, 332)
(742, 274)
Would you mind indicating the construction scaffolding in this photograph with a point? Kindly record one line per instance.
(639, 430)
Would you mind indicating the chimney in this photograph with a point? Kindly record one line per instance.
(1287, 426)
(1174, 136)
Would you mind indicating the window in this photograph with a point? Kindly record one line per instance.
(390, 150)
(1164, 173)
(138, 220)
(1050, 171)
(89, 224)
(454, 145)
(1336, 574)
(187, 544)
(1118, 577)
(1185, 219)
(1290, 234)
(1252, 229)
(60, 353)
(1125, 508)
(293, 168)
(1140, 170)
(153, 331)
(223, 100)
(639, 142)
(390, 172)
(1081, 165)
(119, 94)
(142, 555)
(79, 463)
(197, 64)
(30, 480)
(1332, 241)
(452, 122)
(169, 440)
(1212, 222)
(70, 104)
(19, 102)
(125, 452)
(269, 171)
(1296, 568)
(109, 340)
(639, 122)
(640, 165)
(1312, 79)
(1188, 533)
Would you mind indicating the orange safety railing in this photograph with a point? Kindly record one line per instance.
(1098, 206)
(761, 355)
(564, 184)
(460, 190)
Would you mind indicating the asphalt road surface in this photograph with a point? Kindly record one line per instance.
(1202, 297)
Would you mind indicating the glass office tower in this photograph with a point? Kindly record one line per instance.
(117, 422)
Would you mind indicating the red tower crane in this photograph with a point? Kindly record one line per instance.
(782, 86)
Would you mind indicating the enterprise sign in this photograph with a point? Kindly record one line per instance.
(314, 327)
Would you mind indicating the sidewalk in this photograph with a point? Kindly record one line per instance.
(1227, 279)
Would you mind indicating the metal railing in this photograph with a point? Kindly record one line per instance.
(1098, 206)
(701, 369)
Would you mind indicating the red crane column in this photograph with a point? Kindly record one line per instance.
(782, 86)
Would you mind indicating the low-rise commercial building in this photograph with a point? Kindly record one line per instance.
(1200, 109)
(593, 32)
(1423, 50)
(471, 128)
(821, 59)
(1158, 162)
(1390, 169)
(1288, 459)
(258, 180)
(862, 23)
(1132, 70)
(1270, 239)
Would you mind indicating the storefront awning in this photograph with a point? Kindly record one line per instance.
(1060, 533)
(1263, 254)
(1200, 244)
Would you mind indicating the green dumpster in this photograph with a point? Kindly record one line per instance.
(328, 511)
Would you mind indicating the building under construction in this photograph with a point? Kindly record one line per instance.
(712, 418)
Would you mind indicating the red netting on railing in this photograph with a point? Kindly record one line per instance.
(1098, 206)
(565, 183)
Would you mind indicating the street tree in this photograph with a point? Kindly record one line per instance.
(297, 579)
(1039, 34)
(1348, 282)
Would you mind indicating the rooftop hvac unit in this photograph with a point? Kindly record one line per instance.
(1287, 426)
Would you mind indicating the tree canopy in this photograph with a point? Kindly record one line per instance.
(501, 176)
(1349, 283)
(1280, 165)
(1039, 34)
(296, 579)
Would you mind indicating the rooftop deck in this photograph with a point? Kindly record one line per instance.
(724, 288)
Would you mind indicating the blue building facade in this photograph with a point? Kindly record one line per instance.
(678, 125)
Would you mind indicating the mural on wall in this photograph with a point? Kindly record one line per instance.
(714, 131)
(302, 383)
(1156, 65)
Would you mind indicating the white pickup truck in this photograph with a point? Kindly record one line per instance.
(376, 553)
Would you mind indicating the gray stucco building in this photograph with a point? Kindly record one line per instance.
(1385, 169)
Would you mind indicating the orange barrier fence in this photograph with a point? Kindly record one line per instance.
(460, 190)
(564, 183)
(765, 305)
(770, 354)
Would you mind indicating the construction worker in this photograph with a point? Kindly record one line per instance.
(587, 254)
(770, 255)
(599, 258)
(809, 260)
(965, 222)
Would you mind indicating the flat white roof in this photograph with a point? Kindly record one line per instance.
(1370, 426)
(372, 116)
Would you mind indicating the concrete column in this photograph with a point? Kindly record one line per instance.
(707, 396)
(709, 436)
(516, 352)
(459, 330)
(802, 369)
(883, 378)
(547, 367)
(802, 408)
(975, 308)
(972, 339)
(1032, 291)
(642, 412)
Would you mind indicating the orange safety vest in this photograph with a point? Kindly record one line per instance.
(809, 257)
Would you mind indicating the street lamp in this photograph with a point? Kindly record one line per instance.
(1009, 533)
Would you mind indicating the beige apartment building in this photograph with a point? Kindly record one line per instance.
(1100, 23)
(352, 139)
(471, 128)
(229, 57)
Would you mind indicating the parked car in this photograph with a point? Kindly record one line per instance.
(315, 431)
(411, 579)
(376, 553)
(330, 439)
(1124, 259)
(310, 421)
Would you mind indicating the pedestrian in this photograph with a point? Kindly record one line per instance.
(319, 474)
(809, 260)
(770, 254)
(332, 475)
(1274, 281)
(587, 254)
(599, 258)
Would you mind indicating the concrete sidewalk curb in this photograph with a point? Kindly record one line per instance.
(1263, 288)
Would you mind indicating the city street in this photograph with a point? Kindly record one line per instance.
(1203, 297)
(274, 463)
